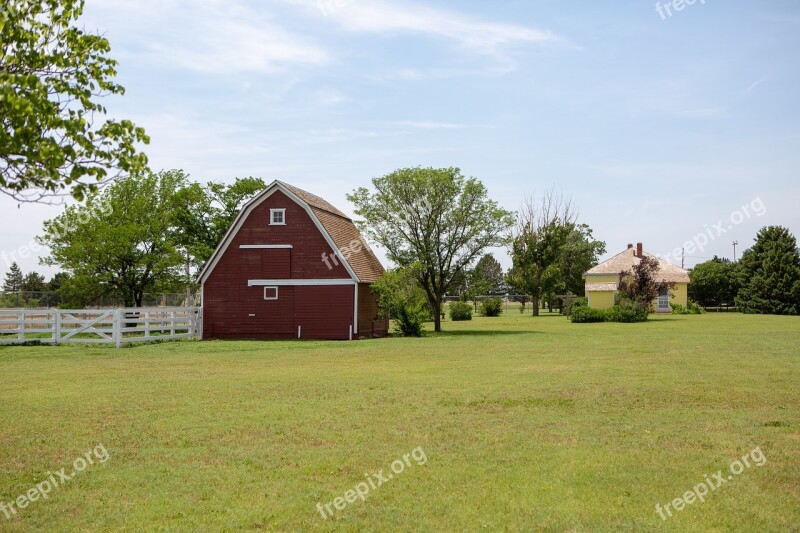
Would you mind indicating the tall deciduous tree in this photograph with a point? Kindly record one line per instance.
(581, 253)
(434, 217)
(714, 282)
(770, 274)
(121, 243)
(53, 137)
(543, 228)
(208, 211)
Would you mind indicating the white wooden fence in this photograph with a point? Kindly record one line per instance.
(110, 326)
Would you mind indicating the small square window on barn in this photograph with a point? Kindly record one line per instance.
(277, 217)
(270, 293)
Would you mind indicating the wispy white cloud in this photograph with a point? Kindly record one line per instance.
(329, 97)
(402, 17)
(209, 36)
(431, 125)
(750, 88)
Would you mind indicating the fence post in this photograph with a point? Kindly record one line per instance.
(21, 326)
(117, 328)
(57, 327)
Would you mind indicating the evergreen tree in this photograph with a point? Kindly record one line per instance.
(770, 274)
(14, 279)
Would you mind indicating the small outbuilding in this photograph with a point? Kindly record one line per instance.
(291, 266)
(603, 280)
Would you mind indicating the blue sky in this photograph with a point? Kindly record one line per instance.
(658, 127)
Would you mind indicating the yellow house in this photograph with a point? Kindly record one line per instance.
(603, 280)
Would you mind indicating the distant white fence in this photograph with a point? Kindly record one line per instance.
(106, 326)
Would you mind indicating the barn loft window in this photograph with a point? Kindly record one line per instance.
(270, 293)
(277, 217)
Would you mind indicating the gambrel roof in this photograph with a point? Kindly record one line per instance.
(337, 228)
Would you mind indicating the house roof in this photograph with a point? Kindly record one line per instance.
(628, 259)
(339, 228)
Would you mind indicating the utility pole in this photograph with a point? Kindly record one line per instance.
(683, 257)
(735, 244)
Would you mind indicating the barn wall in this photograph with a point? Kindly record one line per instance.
(369, 325)
(229, 304)
(325, 312)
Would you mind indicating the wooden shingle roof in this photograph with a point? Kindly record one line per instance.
(628, 259)
(344, 234)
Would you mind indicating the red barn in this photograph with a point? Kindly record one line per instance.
(291, 266)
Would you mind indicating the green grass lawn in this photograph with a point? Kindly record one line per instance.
(526, 424)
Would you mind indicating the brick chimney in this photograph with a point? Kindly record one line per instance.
(630, 246)
(639, 250)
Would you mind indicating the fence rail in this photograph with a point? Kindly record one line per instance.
(104, 326)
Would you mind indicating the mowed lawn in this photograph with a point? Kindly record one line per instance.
(527, 424)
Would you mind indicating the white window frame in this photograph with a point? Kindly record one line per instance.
(270, 289)
(664, 298)
(273, 212)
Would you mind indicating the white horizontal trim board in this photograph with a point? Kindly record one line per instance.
(265, 247)
(298, 282)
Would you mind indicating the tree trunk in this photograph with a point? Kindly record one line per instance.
(437, 315)
(535, 305)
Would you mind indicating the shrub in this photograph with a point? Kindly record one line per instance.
(574, 304)
(410, 321)
(585, 315)
(460, 311)
(492, 307)
(401, 299)
(691, 309)
(628, 311)
(626, 315)
(695, 309)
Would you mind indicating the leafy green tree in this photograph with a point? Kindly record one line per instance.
(208, 211)
(515, 284)
(543, 229)
(52, 74)
(401, 298)
(581, 253)
(57, 281)
(770, 274)
(436, 218)
(714, 282)
(122, 242)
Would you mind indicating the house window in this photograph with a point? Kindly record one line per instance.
(663, 301)
(270, 293)
(277, 217)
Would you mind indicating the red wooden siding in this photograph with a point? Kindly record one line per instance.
(233, 310)
(325, 312)
(369, 325)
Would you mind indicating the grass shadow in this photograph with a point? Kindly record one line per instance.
(477, 333)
